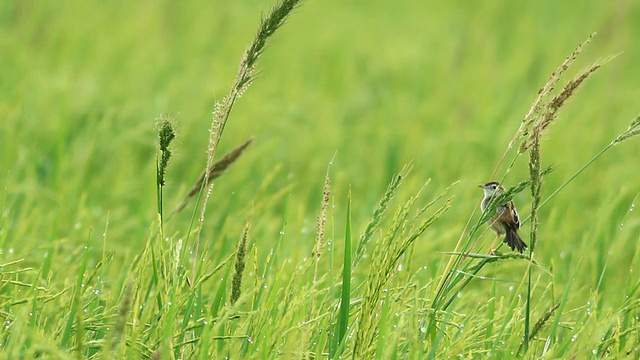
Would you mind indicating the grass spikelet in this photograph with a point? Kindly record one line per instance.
(166, 134)
(236, 282)
(217, 169)
(540, 323)
(530, 118)
(632, 130)
(550, 112)
(322, 218)
(379, 211)
(558, 101)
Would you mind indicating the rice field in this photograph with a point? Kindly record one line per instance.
(266, 180)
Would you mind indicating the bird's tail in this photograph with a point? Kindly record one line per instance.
(514, 241)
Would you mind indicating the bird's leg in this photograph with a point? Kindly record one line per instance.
(493, 244)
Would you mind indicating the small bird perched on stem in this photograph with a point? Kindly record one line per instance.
(505, 220)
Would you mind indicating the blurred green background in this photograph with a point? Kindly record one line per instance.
(376, 84)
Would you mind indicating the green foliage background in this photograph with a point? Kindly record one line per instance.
(371, 84)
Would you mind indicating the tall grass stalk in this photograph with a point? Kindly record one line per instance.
(166, 134)
(268, 26)
(536, 185)
(322, 221)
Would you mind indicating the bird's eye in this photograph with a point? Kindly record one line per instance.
(494, 186)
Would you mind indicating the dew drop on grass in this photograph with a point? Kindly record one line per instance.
(169, 303)
(281, 232)
(423, 330)
(250, 341)
(594, 351)
(574, 337)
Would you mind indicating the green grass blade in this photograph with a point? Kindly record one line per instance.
(345, 297)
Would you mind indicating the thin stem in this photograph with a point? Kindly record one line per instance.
(576, 174)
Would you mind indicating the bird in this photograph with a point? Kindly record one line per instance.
(505, 221)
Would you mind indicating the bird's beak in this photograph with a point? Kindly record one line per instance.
(481, 186)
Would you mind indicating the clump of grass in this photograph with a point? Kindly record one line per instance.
(398, 238)
(121, 320)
